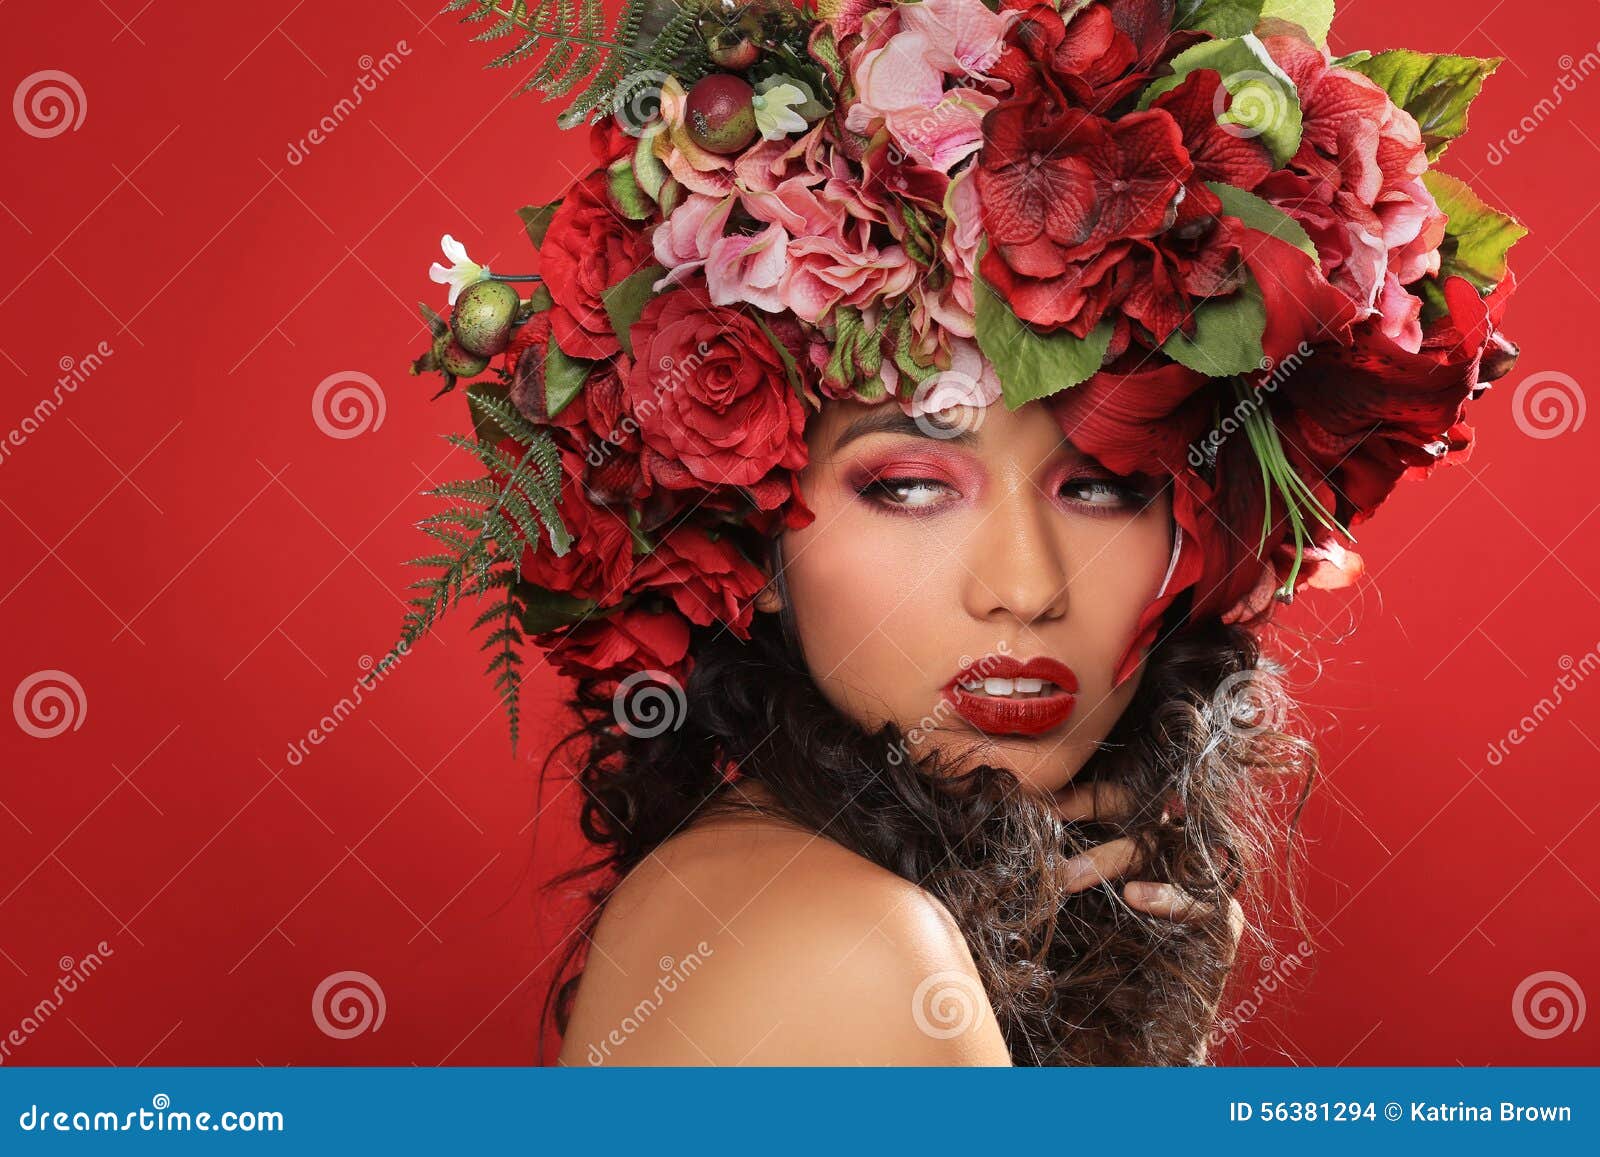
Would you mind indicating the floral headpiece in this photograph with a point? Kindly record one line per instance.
(1220, 254)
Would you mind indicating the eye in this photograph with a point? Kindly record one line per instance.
(912, 494)
(1104, 493)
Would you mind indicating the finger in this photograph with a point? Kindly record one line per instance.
(1165, 900)
(1236, 921)
(1101, 863)
(1095, 801)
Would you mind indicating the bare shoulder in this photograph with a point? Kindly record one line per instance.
(748, 941)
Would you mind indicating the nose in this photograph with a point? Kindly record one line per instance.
(1017, 566)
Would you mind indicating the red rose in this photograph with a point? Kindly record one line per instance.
(619, 644)
(598, 426)
(707, 579)
(601, 556)
(712, 400)
(588, 248)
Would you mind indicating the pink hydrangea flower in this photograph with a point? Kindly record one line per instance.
(909, 57)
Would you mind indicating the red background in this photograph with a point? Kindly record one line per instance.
(184, 541)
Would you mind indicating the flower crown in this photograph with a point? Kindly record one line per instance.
(1217, 253)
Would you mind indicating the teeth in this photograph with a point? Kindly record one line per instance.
(1008, 688)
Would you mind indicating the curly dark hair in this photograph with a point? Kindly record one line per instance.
(1074, 978)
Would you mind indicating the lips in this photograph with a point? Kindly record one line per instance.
(1017, 698)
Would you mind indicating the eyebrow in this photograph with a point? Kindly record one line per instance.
(891, 419)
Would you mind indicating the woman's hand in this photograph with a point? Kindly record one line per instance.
(1120, 857)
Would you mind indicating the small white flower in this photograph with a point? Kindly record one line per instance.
(775, 111)
(463, 270)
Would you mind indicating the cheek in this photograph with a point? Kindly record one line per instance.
(1111, 592)
(863, 587)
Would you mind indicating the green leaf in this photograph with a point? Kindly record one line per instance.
(626, 194)
(536, 220)
(1264, 98)
(790, 369)
(1436, 90)
(1222, 18)
(546, 610)
(539, 299)
(625, 301)
(1477, 235)
(1262, 216)
(1350, 60)
(1032, 364)
(1315, 16)
(1227, 335)
(564, 376)
(648, 169)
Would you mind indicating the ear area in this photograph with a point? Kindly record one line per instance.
(769, 599)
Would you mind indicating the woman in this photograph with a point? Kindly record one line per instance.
(920, 412)
(847, 910)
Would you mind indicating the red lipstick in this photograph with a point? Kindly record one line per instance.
(1014, 714)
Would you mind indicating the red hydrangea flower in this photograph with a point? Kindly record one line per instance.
(1355, 187)
(1062, 190)
(1101, 56)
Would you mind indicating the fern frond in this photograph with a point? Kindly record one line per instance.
(484, 527)
(572, 53)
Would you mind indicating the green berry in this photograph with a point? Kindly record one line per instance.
(483, 316)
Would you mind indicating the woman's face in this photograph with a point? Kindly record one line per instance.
(961, 585)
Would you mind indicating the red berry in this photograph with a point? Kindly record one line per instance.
(721, 114)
